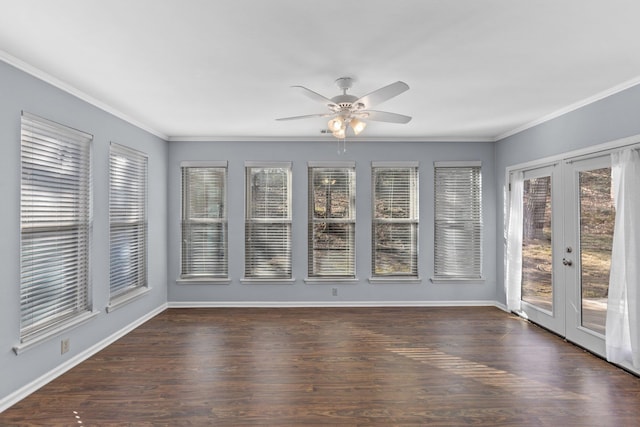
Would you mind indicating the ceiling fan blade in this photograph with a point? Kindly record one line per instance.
(308, 116)
(383, 116)
(316, 96)
(382, 94)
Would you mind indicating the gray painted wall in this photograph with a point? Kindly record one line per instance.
(363, 153)
(603, 121)
(21, 91)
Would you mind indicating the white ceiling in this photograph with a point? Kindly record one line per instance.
(478, 69)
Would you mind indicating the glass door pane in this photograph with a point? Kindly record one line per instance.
(537, 277)
(597, 216)
(588, 230)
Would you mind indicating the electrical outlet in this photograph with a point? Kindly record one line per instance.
(64, 346)
(334, 292)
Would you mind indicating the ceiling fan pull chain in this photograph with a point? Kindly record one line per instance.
(343, 149)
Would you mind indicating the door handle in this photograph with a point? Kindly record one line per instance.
(567, 262)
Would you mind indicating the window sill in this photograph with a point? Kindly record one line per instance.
(395, 279)
(329, 280)
(205, 281)
(447, 280)
(128, 297)
(251, 281)
(38, 339)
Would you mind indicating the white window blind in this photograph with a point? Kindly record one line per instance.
(127, 220)
(55, 219)
(268, 221)
(204, 221)
(458, 220)
(395, 219)
(331, 251)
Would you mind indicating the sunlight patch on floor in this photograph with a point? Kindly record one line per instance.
(513, 384)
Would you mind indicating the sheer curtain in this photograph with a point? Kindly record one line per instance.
(622, 328)
(513, 254)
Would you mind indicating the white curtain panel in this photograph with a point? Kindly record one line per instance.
(622, 328)
(513, 275)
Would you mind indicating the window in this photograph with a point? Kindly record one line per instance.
(332, 194)
(268, 221)
(395, 219)
(55, 227)
(458, 220)
(127, 221)
(204, 221)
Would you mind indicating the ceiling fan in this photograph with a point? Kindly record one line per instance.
(349, 111)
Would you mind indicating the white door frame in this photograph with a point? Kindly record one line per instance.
(568, 274)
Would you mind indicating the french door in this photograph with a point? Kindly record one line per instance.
(543, 298)
(589, 220)
(568, 218)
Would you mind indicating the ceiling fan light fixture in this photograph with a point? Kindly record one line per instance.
(336, 124)
(357, 126)
(340, 133)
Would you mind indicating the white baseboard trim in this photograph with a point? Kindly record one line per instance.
(25, 391)
(501, 306)
(285, 304)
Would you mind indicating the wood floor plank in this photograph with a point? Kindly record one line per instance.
(336, 367)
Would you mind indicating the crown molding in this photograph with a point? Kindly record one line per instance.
(53, 81)
(572, 107)
(327, 138)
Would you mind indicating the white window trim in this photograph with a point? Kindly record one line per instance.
(124, 299)
(332, 279)
(329, 280)
(35, 340)
(268, 164)
(251, 281)
(460, 280)
(397, 278)
(203, 164)
(88, 312)
(204, 281)
(132, 292)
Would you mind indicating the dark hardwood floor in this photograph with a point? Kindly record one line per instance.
(338, 367)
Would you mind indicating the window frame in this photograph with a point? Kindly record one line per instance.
(128, 196)
(253, 224)
(475, 222)
(222, 221)
(413, 219)
(56, 173)
(347, 167)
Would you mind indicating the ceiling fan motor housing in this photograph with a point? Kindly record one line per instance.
(343, 102)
